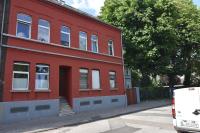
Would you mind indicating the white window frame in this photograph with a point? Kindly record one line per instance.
(113, 73)
(82, 37)
(93, 80)
(20, 72)
(84, 70)
(97, 43)
(112, 46)
(66, 33)
(24, 22)
(45, 27)
(42, 89)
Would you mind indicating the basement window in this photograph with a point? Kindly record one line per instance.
(23, 26)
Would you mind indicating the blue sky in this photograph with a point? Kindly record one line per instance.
(197, 2)
(93, 6)
(90, 6)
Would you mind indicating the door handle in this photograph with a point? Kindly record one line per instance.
(196, 112)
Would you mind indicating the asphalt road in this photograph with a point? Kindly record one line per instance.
(156, 120)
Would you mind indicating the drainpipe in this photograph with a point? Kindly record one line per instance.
(1, 43)
(2, 24)
(126, 104)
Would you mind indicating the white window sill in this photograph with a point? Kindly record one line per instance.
(20, 91)
(42, 90)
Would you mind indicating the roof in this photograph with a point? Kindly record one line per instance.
(61, 3)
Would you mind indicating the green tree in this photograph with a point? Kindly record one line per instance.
(188, 26)
(160, 36)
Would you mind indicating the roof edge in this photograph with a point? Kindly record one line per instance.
(61, 3)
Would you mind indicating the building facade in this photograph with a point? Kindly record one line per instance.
(51, 51)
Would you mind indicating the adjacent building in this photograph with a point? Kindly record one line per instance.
(50, 51)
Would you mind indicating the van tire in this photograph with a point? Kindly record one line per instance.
(181, 132)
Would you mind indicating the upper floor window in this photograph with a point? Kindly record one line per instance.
(44, 31)
(94, 41)
(20, 76)
(65, 36)
(23, 25)
(83, 40)
(110, 48)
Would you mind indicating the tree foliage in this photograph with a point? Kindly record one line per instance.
(160, 36)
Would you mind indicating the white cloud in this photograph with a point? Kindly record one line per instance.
(92, 7)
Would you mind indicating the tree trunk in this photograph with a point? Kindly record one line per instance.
(188, 71)
(145, 79)
(171, 84)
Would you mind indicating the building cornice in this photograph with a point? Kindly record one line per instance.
(58, 45)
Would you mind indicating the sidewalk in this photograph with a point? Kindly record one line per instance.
(45, 124)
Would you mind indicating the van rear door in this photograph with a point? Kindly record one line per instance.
(187, 107)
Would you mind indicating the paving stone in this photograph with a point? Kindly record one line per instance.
(125, 129)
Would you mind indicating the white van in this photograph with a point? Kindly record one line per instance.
(186, 110)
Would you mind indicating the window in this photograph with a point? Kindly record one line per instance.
(23, 25)
(42, 77)
(65, 36)
(127, 72)
(44, 31)
(94, 41)
(20, 76)
(83, 40)
(112, 76)
(95, 79)
(110, 48)
(83, 79)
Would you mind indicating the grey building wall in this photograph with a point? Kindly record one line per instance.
(26, 110)
(94, 103)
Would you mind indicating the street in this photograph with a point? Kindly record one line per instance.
(157, 120)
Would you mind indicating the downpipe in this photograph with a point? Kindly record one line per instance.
(1, 42)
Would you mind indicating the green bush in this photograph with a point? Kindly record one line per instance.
(154, 93)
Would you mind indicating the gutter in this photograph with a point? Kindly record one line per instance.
(2, 24)
(1, 41)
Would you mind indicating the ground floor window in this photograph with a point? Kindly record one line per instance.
(95, 79)
(112, 76)
(42, 77)
(83, 78)
(20, 76)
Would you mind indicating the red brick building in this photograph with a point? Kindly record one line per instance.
(51, 51)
